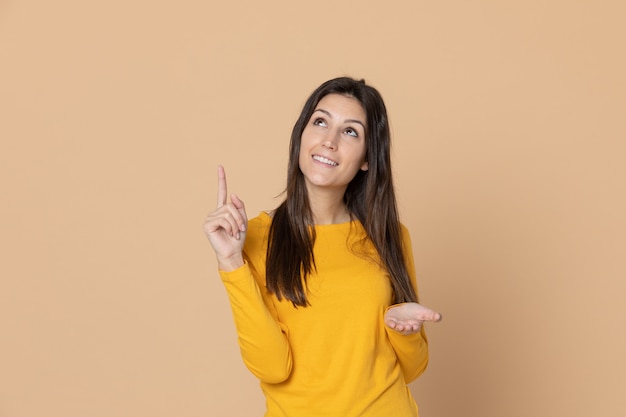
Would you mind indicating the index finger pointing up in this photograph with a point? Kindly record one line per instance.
(221, 186)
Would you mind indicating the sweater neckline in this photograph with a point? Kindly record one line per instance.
(349, 223)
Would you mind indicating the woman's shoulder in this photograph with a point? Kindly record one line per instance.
(262, 221)
(405, 235)
(258, 229)
(255, 246)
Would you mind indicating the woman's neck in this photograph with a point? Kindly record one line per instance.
(328, 207)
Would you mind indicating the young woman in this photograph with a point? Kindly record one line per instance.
(323, 288)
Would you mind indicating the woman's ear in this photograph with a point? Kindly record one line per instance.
(365, 166)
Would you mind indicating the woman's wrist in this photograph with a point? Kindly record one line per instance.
(230, 264)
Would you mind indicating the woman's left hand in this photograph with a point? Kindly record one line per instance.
(408, 318)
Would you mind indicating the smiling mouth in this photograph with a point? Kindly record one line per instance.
(325, 160)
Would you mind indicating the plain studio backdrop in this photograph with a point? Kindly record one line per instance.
(508, 120)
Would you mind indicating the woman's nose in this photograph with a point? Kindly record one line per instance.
(330, 141)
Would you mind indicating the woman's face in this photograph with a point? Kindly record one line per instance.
(332, 147)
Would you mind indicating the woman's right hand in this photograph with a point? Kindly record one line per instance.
(225, 227)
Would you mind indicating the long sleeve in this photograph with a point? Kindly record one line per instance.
(411, 350)
(264, 345)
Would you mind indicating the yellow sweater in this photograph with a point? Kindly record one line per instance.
(335, 358)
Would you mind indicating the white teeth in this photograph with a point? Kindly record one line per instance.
(325, 160)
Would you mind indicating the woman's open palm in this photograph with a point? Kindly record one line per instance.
(408, 318)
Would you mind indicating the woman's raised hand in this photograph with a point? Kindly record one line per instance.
(226, 226)
(408, 318)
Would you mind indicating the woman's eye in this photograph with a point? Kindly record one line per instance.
(319, 122)
(352, 132)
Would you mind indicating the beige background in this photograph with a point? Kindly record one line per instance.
(509, 128)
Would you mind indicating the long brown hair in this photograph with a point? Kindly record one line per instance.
(369, 197)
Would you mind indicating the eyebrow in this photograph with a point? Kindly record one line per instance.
(345, 121)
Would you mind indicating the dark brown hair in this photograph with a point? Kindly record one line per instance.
(369, 197)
